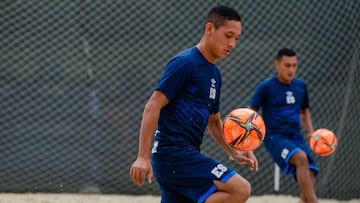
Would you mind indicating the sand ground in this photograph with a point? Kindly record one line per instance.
(91, 198)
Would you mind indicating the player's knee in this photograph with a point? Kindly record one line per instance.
(238, 188)
(243, 192)
(299, 159)
(247, 190)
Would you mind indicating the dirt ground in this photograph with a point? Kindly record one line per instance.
(91, 198)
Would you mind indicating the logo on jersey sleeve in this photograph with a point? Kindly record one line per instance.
(290, 99)
(156, 143)
(212, 89)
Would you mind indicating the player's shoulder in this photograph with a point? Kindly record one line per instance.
(268, 81)
(298, 81)
(266, 84)
(191, 59)
(187, 55)
(183, 60)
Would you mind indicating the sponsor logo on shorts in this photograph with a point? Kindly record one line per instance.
(284, 153)
(219, 170)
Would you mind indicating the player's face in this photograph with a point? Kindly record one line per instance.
(286, 67)
(223, 39)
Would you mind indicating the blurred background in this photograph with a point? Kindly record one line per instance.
(75, 76)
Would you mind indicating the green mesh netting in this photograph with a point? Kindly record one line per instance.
(76, 74)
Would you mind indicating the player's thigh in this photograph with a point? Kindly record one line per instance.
(236, 184)
(190, 173)
(281, 150)
(299, 158)
(302, 144)
(169, 195)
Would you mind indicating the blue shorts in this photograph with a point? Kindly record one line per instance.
(186, 176)
(282, 148)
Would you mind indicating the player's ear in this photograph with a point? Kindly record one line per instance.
(209, 28)
(276, 63)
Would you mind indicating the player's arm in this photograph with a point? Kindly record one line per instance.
(150, 117)
(253, 108)
(215, 128)
(306, 121)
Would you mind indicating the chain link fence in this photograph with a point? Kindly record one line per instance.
(76, 74)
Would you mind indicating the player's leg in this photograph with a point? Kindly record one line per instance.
(312, 167)
(198, 177)
(304, 177)
(169, 192)
(169, 195)
(236, 189)
(284, 151)
(313, 178)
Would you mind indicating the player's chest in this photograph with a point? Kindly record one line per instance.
(285, 96)
(204, 84)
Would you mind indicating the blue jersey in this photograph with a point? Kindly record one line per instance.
(192, 85)
(281, 104)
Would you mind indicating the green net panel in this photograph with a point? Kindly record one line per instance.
(75, 76)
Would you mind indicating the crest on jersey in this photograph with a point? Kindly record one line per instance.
(290, 99)
(212, 89)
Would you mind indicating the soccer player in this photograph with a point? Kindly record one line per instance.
(285, 107)
(185, 103)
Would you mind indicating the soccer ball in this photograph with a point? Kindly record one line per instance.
(244, 129)
(323, 142)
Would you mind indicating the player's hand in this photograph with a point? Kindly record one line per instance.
(139, 169)
(308, 136)
(246, 157)
(251, 155)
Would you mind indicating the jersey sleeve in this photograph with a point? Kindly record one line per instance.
(258, 97)
(305, 103)
(175, 75)
(216, 106)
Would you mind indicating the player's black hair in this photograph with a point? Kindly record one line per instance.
(220, 14)
(285, 52)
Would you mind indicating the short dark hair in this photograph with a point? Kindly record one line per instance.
(285, 52)
(219, 14)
